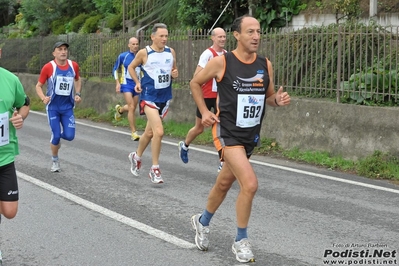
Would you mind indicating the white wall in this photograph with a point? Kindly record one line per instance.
(309, 20)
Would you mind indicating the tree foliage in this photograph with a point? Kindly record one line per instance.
(203, 13)
(8, 10)
(108, 7)
(41, 13)
(55, 16)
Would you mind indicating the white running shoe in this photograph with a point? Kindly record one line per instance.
(155, 176)
(201, 233)
(134, 164)
(242, 250)
(55, 167)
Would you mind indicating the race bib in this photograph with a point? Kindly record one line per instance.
(4, 129)
(64, 85)
(162, 79)
(249, 110)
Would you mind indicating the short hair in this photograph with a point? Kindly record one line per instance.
(158, 26)
(236, 26)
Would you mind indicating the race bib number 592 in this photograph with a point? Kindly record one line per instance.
(249, 110)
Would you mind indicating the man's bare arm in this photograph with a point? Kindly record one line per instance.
(138, 60)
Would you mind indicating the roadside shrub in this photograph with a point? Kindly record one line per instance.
(34, 64)
(77, 22)
(109, 51)
(58, 26)
(114, 22)
(91, 24)
(372, 85)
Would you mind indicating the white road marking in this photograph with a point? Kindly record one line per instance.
(111, 214)
(361, 184)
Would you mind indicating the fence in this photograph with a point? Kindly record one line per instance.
(349, 63)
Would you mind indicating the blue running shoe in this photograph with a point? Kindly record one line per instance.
(183, 152)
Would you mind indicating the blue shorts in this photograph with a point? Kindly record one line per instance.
(64, 118)
(128, 88)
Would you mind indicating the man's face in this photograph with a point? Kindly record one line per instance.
(250, 34)
(61, 53)
(133, 45)
(159, 38)
(219, 39)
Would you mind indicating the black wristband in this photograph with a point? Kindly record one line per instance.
(275, 101)
(78, 94)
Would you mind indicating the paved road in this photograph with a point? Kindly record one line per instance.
(96, 213)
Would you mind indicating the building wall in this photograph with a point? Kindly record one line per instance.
(308, 20)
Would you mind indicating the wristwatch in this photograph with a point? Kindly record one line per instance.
(78, 94)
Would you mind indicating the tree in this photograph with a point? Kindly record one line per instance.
(203, 13)
(8, 10)
(39, 14)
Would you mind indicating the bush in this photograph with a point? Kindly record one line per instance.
(114, 22)
(77, 22)
(58, 26)
(34, 64)
(91, 24)
(110, 50)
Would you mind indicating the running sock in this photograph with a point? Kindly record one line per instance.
(136, 157)
(54, 158)
(186, 146)
(205, 218)
(155, 166)
(241, 233)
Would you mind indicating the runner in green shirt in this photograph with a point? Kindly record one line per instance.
(14, 108)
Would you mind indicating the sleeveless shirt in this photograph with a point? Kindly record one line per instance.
(156, 82)
(209, 88)
(241, 102)
(60, 87)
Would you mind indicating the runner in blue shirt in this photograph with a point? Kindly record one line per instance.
(125, 84)
(63, 90)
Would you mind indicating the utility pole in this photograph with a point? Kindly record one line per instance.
(251, 7)
(373, 8)
(123, 17)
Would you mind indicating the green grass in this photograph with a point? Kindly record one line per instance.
(378, 166)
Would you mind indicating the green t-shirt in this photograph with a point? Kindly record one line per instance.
(12, 95)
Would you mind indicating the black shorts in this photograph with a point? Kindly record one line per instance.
(8, 183)
(210, 103)
(248, 150)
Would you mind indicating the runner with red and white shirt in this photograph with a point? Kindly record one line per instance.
(63, 91)
(209, 90)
